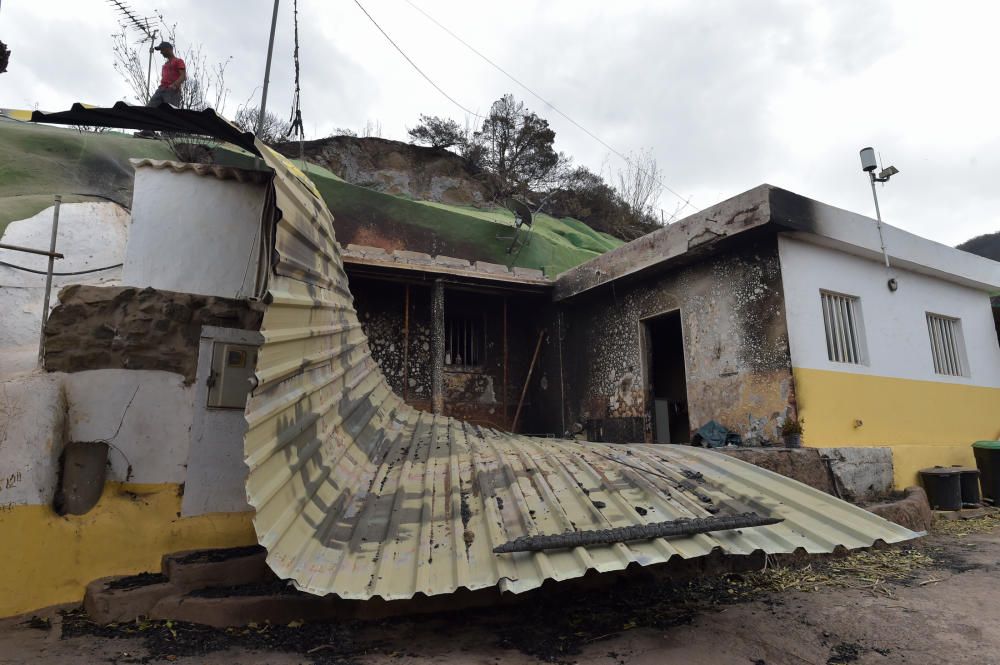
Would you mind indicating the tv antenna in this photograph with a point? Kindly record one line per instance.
(129, 20)
(868, 165)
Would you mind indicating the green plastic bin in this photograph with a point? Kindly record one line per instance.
(988, 462)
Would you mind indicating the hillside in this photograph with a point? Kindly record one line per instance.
(987, 245)
(394, 167)
(38, 161)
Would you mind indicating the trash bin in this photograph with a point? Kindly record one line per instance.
(969, 480)
(943, 486)
(988, 461)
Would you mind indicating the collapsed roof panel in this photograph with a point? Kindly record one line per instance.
(360, 495)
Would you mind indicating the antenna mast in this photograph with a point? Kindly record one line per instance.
(129, 20)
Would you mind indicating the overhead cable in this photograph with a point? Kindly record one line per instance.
(629, 161)
(413, 64)
(59, 274)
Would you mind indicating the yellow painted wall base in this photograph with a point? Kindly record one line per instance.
(926, 423)
(50, 559)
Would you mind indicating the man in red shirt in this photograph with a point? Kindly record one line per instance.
(171, 78)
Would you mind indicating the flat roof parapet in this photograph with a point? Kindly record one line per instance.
(405, 260)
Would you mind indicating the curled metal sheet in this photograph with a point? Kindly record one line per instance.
(360, 495)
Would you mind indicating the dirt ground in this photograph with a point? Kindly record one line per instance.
(934, 603)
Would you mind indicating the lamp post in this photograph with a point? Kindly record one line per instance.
(868, 165)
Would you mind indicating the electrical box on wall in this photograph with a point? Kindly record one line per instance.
(232, 369)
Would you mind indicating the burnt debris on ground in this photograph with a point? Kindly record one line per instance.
(324, 644)
(556, 624)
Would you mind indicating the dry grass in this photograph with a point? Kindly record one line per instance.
(871, 570)
(959, 528)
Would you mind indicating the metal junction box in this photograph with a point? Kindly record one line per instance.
(232, 369)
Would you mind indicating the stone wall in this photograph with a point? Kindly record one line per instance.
(96, 327)
(735, 346)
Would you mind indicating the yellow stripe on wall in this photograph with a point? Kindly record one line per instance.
(926, 423)
(50, 559)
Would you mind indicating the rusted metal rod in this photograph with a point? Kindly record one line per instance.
(29, 250)
(527, 381)
(48, 277)
(672, 529)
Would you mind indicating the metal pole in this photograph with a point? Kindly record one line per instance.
(149, 68)
(878, 217)
(48, 277)
(29, 250)
(267, 72)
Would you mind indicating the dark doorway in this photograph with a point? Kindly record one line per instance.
(667, 380)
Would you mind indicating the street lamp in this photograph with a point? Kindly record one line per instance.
(868, 165)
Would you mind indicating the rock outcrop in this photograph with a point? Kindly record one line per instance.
(394, 167)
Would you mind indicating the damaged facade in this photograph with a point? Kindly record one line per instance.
(365, 487)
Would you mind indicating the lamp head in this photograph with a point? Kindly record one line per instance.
(868, 162)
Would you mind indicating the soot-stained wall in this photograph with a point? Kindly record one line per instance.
(472, 392)
(735, 347)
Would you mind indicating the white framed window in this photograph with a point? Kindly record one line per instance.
(845, 342)
(947, 345)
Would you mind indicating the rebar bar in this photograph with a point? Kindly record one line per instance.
(674, 528)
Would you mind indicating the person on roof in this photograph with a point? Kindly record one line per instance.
(171, 78)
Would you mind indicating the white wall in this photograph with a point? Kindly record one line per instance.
(91, 235)
(193, 233)
(39, 414)
(155, 430)
(216, 473)
(895, 326)
(32, 426)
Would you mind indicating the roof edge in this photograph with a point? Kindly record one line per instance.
(205, 170)
(700, 231)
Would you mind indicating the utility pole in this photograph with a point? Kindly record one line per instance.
(267, 73)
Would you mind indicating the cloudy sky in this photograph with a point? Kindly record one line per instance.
(727, 95)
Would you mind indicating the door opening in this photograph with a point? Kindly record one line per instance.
(667, 379)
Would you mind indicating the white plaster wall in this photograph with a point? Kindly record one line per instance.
(859, 235)
(895, 325)
(91, 235)
(32, 424)
(216, 473)
(155, 433)
(193, 234)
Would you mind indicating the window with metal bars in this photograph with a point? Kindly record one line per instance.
(947, 346)
(844, 331)
(464, 344)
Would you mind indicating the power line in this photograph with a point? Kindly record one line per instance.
(413, 64)
(686, 201)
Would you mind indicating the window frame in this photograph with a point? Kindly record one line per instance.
(943, 356)
(844, 328)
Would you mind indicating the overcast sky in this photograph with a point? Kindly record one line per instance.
(728, 95)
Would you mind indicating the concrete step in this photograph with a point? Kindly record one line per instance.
(124, 598)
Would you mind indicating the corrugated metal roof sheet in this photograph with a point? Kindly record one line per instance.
(210, 170)
(360, 495)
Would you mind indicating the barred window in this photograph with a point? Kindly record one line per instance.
(465, 341)
(947, 345)
(844, 331)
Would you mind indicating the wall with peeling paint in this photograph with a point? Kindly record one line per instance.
(735, 346)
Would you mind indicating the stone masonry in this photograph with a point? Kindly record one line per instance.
(96, 327)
